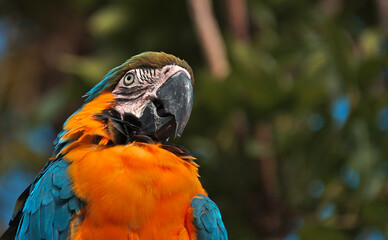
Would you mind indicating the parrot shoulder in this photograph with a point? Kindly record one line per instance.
(207, 219)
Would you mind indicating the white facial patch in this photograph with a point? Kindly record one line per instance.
(133, 98)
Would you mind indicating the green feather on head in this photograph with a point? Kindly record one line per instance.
(148, 59)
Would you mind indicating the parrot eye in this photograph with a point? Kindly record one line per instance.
(128, 80)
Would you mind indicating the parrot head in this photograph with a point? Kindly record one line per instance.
(153, 96)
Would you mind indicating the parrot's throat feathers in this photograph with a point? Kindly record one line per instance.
(100, 124)
(121, 129)
(97, 122)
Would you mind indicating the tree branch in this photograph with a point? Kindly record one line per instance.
(238, 19)
(382, 8)
(210, 37)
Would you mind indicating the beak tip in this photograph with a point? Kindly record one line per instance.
(177, 136)
(178, 132)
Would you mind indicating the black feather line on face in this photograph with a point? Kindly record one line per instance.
(129, 99)
(133, 90)
(144, 75)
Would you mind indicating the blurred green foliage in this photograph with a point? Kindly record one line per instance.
(293, 144)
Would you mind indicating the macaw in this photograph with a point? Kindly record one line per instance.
(113, 173)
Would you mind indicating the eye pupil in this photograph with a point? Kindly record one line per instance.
(128, 79)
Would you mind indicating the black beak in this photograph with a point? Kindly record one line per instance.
(170, 111)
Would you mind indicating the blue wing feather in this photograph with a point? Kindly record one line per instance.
(207, 219)
(46, 219)
(34, 231)
(23, 227)
(74, 204)
(61, 217)
(50, 205)
(66, 192)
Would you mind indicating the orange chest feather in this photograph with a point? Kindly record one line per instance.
(136, 191)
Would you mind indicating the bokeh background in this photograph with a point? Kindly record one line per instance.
(290, 120)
